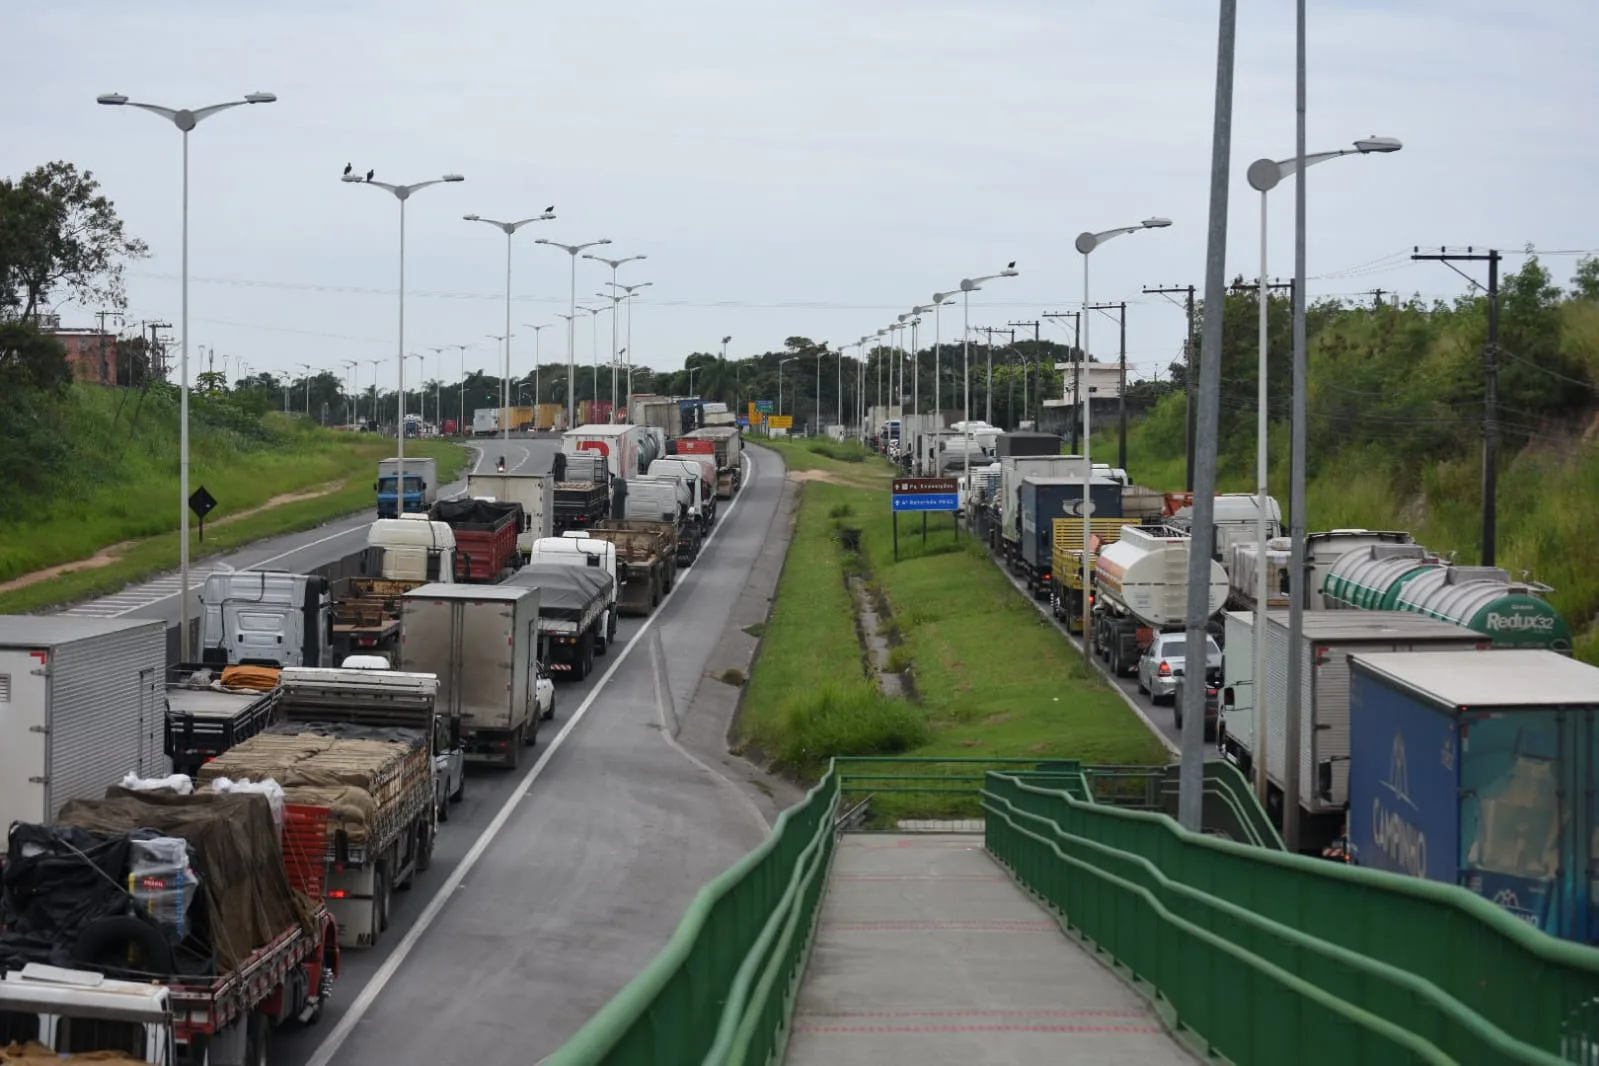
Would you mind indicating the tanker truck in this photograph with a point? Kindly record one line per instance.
(1141, 589)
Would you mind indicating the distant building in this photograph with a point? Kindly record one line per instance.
(91, 353)
(1103, 388)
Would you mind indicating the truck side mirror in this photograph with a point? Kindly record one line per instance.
(1227, 698)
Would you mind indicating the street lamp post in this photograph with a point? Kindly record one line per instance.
(616, 353)
(1265, 175)
(351, 392)
(630, 290)
(615, 323)
(725, 340)
(781, 364)
(373, 412)
(916, 358)
(509, 229)
(185, 120)
(820, 351)
(307, 367)
(422, 396)
(401, 193)
(967, 287)
(594, 349)
(938, 340)
(538, 355)
(1086, 243)
(501, 418)
(574, 250)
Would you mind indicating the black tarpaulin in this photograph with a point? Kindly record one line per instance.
(467, 512)
(58, 882)
(564, 591)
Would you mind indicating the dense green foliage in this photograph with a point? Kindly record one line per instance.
(1396, 407)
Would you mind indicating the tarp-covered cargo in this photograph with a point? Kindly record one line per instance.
(52, 895)
(467, 513)
(565, 592)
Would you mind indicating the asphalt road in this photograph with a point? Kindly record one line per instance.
(158, 597)
(553, 888)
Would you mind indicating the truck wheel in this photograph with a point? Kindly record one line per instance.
(513, 752)
(380, 901)
(601, 643)
(424, 847)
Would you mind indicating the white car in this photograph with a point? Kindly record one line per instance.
(544, 695)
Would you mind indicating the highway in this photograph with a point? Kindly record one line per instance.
(158, 597)
(552, 888)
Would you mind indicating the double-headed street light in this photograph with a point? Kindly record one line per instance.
(509, 229)
(538, 355)
(1086, 243)
(185, 120)
(916, 360)
(615, 323)
(401, 193)
(307, 367)
(630, 290)
(1265, 175)
(967, 287)
(351, 391)
(616, 353)
(574, 250)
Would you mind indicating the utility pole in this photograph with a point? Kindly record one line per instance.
(988, 387)
(102, 316)
(1190, 374)
(1490, 362)
(1376, 297)
(157, 349)
(1079, 357)
(1121, 388)
(1026, 366)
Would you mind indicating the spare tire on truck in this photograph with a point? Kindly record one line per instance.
(124, 942)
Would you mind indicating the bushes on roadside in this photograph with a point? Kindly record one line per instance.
(831, 719)
(841, 451)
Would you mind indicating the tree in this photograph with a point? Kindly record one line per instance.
(57, 231)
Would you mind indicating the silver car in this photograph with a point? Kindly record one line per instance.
(1163, 660)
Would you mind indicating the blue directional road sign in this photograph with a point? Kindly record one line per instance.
(926, 494)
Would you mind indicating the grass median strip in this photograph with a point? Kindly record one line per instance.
(351, 462)
(990, 677)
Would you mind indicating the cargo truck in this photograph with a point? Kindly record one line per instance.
(582, 491)
(209, 871)
(481, 642)
(646, 562)
(661, 412)
(574, 615)
(211, 709)
(486, 533)
(408, 552)
(1007, 505)
(421, 485)
(535, 493)
(1044, 500)
(1330, 638)
(1141, 589)
(591, 553)
(360, 744)
(266, 618)
(702, 469)
(628, 450)
(485, 421)
(665, 499)
(1008, 445)
(1064, 583)
(727, 445)
(1477, 770)
(80, 706)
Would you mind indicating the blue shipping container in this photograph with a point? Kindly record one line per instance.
(1480, 772)
(1045, 499)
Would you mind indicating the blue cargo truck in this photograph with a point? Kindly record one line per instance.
(1041, 501)
(1478, 769)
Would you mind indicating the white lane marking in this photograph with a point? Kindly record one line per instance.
(362, 1003)
(177, 581)
(669, 730)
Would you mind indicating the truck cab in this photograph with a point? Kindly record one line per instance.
(77, 1012)
(421, 485)
(577, 548)
(266, 618)
(413, 548)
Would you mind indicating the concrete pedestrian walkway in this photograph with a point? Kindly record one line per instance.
(928, 953)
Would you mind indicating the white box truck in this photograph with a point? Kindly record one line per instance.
(81, 705)
(481, 641)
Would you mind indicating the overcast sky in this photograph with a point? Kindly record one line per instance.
(809, 169)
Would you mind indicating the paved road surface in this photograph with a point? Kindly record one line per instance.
(551, 889)
(158, 598)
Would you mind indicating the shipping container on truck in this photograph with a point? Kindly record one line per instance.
(728, 447)
(270, 944)
(481, 641)
(80, 707)
(1043, 500)
(1330, 638)
(486, 534)
(627, 449)
(421, 484)
(646, 562)
(518, 419)
(1244, 560)
(702, 484)
(1141, 589)
(664, 498)
(658, 412)
(536, 494)
(485, 421)
(1478, 770)
(574, 616)
(1014, 444)
(371, 731)
(1012, 470)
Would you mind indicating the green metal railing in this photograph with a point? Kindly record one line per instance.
(1275, 957)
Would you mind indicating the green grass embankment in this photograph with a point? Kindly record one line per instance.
(990, 676)
(112, 516)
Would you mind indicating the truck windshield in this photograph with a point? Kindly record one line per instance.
(412, 484)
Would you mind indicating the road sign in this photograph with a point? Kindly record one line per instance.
(201, 503)
(764, 406)
(780, 421)
(926, 494)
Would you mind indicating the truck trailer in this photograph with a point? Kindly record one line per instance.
(1044, 501)
(536, 494)
(1141, 588)
(646, 562)
(211, 709)
(574, 615)
(480, 641)
(80, 706)
(582, 491)
(1477, 770)
(486, 533)
(727, 445)
(1330, 638)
